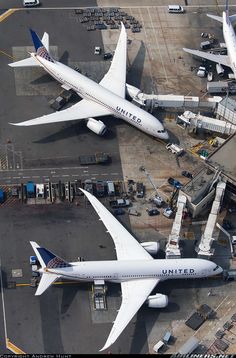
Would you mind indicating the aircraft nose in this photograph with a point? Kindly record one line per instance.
(220, 270)
(165, 136)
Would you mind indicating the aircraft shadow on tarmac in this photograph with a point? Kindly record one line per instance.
(79, 128)
(70, 291)
(134, 75)
(146, 314)
(50, 323)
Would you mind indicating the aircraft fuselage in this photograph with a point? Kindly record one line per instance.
(88, 89)
(118, 271)
(230, 41)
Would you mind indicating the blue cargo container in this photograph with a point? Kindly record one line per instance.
(30, 188)
(2, 196)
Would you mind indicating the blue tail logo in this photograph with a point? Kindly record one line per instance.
(39, 47)
(51, 260)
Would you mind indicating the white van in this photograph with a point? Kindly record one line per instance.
(30, 3)
(175, 9)
(174, 148)
(110, 188)
(39, 190)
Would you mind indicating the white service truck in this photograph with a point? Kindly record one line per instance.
(174, 148)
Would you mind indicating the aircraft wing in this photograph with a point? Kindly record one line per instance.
(81, 110)
(134, 294)
(127, 247)
(115, 78)
(221, 59)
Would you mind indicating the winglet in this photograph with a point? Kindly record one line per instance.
(107, 345)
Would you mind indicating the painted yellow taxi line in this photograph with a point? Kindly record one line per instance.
(6, 14)
(13, 348)
(6, 54)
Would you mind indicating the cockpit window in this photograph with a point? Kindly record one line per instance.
(161, 131)
(214, 269)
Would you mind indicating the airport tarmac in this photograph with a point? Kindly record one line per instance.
(62, 320)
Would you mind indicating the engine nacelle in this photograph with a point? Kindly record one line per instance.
(157, 301)
(152, 247)
(132, 91)
(95, 126)
(219, 69)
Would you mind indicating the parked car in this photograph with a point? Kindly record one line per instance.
(97, 50)
(187, 174)
(158, 201)
(29, 3)
(40, 191)
(152, 212)
(175, 183)
(107, 56)
(119, 211)
(140, 190)
(100, 188)
(88, 185)
(168, 212)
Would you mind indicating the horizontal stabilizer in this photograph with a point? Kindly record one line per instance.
(46, 280)
(27, 62)
(214, 17)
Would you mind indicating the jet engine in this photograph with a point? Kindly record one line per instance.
(132, 91)
(152, 247)
(219, 69)
(157, 301)
(95, 126)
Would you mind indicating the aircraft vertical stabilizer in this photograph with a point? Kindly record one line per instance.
(41, 50)
(48, 261)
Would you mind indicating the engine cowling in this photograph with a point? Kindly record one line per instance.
(132, 91)
(152, 247)
(95, 126)
(157, 301)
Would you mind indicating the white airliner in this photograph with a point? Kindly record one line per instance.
(135, 269)
(105, 98)
(228, 60)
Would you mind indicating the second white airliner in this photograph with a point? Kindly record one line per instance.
(135, 269)
(99, 99)
(228, 60)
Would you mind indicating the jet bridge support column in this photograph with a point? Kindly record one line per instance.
(204, 249)
(172, 247)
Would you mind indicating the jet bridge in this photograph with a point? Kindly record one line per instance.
(204, 249)
(152, 101)
(195, 121)
(172, 246)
